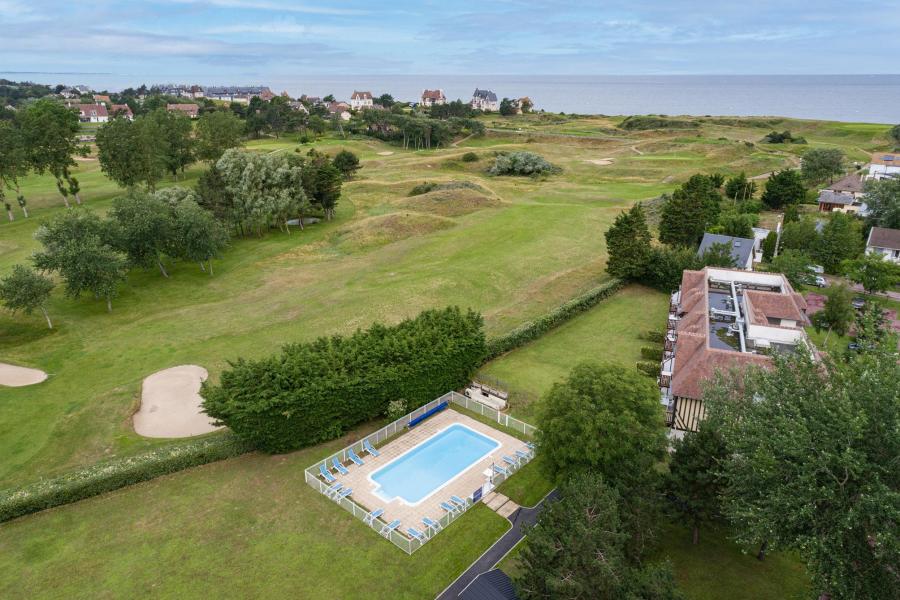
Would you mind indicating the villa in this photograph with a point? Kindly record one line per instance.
(885, 242)
(882, 166)
(433, 98)
(361, 100)
(721, 319)
(92, 113)
(484, 100)
(741, 248)
(239, 94)
(121, 110)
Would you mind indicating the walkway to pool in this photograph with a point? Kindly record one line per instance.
(463, 486)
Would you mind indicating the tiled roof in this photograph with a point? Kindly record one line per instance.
(433, 94)
(120, 108)
(830, 197)
(772, 304)
(884, 238)
(361, 95)
(852, 184)
(92, 110)
(485, 95)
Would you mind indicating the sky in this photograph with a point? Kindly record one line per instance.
(252, 41)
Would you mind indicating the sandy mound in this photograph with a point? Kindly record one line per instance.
(385, 229)
(451, 202)
(14, 376)
(385, 153)
(170, 404)
(601, 161)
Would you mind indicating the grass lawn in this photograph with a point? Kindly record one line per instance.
(528, 485)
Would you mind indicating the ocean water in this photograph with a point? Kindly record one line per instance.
(859, 98)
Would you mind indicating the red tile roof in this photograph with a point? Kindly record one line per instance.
(361, 95)
(92, 110)
(433, 94)
(121, 109)
(190, 109)
(764, 305)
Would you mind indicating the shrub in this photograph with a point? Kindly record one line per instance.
(114, 474)
(531, 330)
(645, 122)
(426, 187)
(522, 163)
(469, 157)
(422, 188)
(396, 409)
(651, 369)
(657, 336)
(652, 353)
(316, 391)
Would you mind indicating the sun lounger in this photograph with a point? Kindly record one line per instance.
(429, 524)
(510, 461)
(328, 477)
(500, 470)
(356, 459)
(338, 466)
(450, 508)
(530, 445)
(343, 494)
(459, 501)
(368, 447)
(369, 519)
(521, 454)
(334, 489)
(415, 533)
(387, 529)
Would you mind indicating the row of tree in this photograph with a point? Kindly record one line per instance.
(414, 131)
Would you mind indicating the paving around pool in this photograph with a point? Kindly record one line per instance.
(414, 477)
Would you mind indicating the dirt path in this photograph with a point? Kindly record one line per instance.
(171, 404)
(14, 376)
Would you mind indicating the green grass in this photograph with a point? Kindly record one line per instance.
(528, 485)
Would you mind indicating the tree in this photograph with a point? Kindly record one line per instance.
(602, 418)
(894, 135)
(217, 132)
(791, 213)
(176, 139)
(144, 229)
(577, 550)
(735, 224)
(768, 246)
(812, 465)
(25, 290)
(50, 135)
(327, 188)
(794, 264)
(507, 108)
(132, 152)
(214, 196)
(820, 164)
(873, 272)
(800, 235)
(718, 255)
(666, 265)
(385, 100)
(872, 330)
(841, 240)
(13, 162)
(76, 245)
(782, 188)
(883, 200)
(694, 483)
(838, 313)
(196, 235)
(692, 208)
(347, 163)
(628, 244)
(739, 187)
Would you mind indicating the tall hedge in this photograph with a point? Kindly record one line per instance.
(313, 392)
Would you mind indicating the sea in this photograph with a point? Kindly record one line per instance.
(857, 98)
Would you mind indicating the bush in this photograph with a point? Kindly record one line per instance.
(422, 188)
(652, 353)
(114, 474)
(426, 187)
(531, 330)
(469, 157)
(522, 163)
(651, 369)
(396, 409)
(645, 122)
(657, 336)
(313, 392)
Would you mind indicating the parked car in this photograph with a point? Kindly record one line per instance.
(820, 281)
(858, 303)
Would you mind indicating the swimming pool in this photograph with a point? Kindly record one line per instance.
(421, 471)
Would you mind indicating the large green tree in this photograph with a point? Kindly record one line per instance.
(794, 264)
(144, 229)
(196, 235)
(132, 152)
(740, 188)
(176, 139)
(800, 235)
(13, 161)
(841, 240)
(50, 133)
(894, 135)
(218, 131)
(837, 314)
(628, 244)
(25, 290)
(813, 465)
(882, 198)
(873, 272)
(692, 208)
(347, 163)
(783, 188)
(694, 483)
(820, 164)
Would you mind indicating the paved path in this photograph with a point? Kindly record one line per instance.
(493, 554)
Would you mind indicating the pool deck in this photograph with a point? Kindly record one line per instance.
(463, 486)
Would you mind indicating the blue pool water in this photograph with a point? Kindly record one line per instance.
(420, 472)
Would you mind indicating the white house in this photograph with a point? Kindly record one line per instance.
(884, 165)
(361, 100)
(885, 242)
(433, 97)
(484, 100)
(92, 113)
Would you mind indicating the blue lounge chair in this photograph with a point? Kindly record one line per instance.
(338, 466)
(522, 455)
(343, 494)
(510, 461)
(450, 508)
(328, 477)
(334, 489)
(457, 500)
(370, 449)
(429, 524)
(369, 519)
(356, 459)
(530, 445)
(500, 470)
(387, 529)
(415, 533)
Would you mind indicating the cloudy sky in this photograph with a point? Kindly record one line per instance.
(258, 40)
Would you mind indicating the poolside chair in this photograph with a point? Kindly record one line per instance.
(450, 508)
(530, 445)
(500, 470)
(368, 447)
(356, 459)
(510, 461)
(457, 500)
(522, 455)
(328, 477)
(429, 524)
(338, 466)
(333, 489)
(343, 494)
(369, 519)
(415, 533)
(387, 529)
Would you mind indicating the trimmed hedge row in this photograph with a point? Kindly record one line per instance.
(654, 353)
(650, 369)
(114, 474)
(532, 330)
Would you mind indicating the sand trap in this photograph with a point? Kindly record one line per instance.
(385, 153)
(170, 404)
(601, 161)
(14, 376)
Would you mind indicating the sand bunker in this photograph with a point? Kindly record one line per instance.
(385, 153)
(170, 404)
(14, 376)
(601, 161)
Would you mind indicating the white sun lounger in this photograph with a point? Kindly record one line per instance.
(343, 494)
(387, 529)
(353, 456)
(450, 508)
(501, 470)
(415, 533)
(369, 519)
(369, 448)
(338, 466)
(334, 489)
(429, 524)
(457, 500)
(521, 454)
(509, 460)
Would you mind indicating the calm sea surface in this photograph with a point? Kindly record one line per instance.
(865, 98)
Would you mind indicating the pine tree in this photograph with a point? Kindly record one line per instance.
(628, 244)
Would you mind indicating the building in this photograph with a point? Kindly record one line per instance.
(68, 92)
(298, 106)
(884, 165)
(433, 98)
(852, 185)
(361, 100)
(521, 105)
(484, 100)
(121, 110)
(311, 100)
(885, 242)
(191, 110)
(92, 113)
(239, 94)
(741, 248)
(721, 319)
(341, 109)
(102, 99)
(830, 201)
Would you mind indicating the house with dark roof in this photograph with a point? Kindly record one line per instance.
(722, 319)
(883, 165)
(885, 242)
(433, 97)
(741, 248)
(492, 585)
(361, 100)
(852, 184)
(484, 100)
(830, 201)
